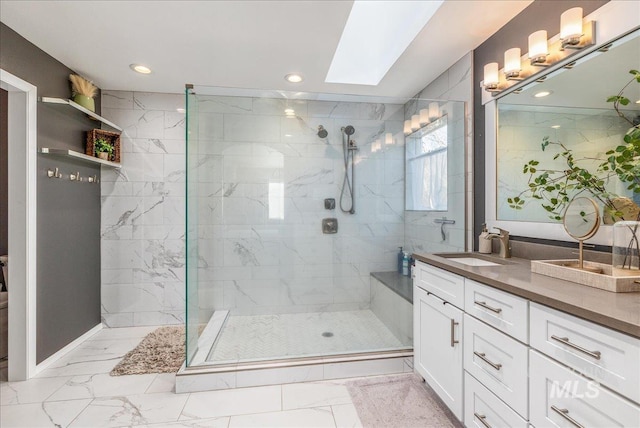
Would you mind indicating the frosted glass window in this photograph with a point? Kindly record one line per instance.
(426, 168)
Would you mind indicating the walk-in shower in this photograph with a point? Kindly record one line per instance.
(264, 283)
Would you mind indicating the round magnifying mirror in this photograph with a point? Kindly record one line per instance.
(581, 221)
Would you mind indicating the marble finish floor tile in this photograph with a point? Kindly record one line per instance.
(300, 418)
(233, 402)
(59, 397)
(131, 410)
(102, 385)
(40, 415)
(313, 394)
(259, 337)
(32, 391)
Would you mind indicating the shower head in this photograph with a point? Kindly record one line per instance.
(322, 133)
(349, 130)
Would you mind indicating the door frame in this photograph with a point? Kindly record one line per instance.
(22, 178)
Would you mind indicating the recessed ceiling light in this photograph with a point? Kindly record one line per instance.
(542, 94)
(287, 135)
(555, 126)
(293, 78)
(289, 111)
(140, 68)
(355, 61)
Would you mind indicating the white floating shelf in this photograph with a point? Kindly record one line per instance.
(79, 156)
(68, 104)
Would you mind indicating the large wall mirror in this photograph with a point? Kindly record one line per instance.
(569, 113)
(566, 111)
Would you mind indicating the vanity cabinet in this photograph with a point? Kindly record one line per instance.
(437, 347)
(518, 362)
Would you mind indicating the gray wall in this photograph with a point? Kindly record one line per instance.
(539, 15)
(4, 98)
(68, 213)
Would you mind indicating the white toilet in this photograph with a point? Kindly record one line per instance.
(4, 311)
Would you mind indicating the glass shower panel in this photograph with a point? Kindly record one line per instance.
(192, 226)
(265, 282)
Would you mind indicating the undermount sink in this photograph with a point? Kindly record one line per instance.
(472, 261)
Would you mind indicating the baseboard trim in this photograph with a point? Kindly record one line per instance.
(64, 351)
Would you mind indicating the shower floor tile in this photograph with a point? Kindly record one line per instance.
(264, 337)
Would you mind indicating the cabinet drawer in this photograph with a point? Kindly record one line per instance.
(610, 357)
(504, 311)
(482, 409)
(498, 362)
(562, 398)
(446, 285)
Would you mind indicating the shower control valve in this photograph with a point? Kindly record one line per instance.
(329, 204)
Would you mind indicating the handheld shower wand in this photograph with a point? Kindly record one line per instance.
(349, 148)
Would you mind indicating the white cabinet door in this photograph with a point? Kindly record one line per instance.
(437, 347)
(482, 409)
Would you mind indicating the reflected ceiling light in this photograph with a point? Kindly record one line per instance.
(555, 126)
(638, 102)
(571, 27)
(369, 24)
(434, 111)
(424, 116)
(415, 122)
(388, 139)
(293, 78)
(542, 94)
(289, 111)
(287, 135)
(181, 110)
(407, 127)
(138, 68)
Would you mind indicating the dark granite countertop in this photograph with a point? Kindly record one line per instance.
(619, 311)
(399, 284)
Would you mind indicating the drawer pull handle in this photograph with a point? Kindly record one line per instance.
(482, 356)
(482, 418)
(453, 333)
(565, 341)
(565, 414)
(484, 305)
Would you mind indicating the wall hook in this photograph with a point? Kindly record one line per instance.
(75, 177)
(54, 173)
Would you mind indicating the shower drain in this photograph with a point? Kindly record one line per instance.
(327, 334)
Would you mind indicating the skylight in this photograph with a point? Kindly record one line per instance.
(376, 34)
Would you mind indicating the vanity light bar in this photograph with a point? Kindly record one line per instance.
(543, 52)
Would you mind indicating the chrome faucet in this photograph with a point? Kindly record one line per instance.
(505, 246)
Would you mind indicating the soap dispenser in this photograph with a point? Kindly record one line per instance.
(484, 241)
(400, 258)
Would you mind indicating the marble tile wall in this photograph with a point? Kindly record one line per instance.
(454, 90)
(143, 220)
(261, 203)
(590, 133)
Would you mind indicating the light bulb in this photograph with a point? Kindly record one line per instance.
(512, 62)
(571, 26)
(407, 127)
(538, 48)
(491, 78)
